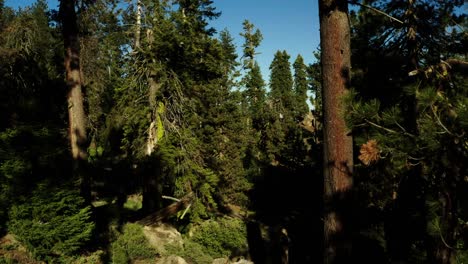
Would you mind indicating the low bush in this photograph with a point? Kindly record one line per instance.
(131, 245)
(194, 253)
(222, 237)
(53, 223)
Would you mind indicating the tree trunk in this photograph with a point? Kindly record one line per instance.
(76, 113)
(152, 187)
(338, 144)
(138, 25)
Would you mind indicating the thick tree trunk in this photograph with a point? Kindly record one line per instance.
(338, 144)
(76, 113)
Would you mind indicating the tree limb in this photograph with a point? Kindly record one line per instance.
(353, 2)
(167, 211)
(451, 64)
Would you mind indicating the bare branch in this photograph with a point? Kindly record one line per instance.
(170, 198)
(439, 121)
(444, 66)
(353, 2)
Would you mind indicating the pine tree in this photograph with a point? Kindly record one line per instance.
(281, 83)
(281, 103)
(253, 80)
(300, 89)
(398, 140)
(255, 109)
(76, 112)
(252, 41)
(338, 144)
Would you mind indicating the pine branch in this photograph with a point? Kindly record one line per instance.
(388, 129)
(354, 2)
(444, 65)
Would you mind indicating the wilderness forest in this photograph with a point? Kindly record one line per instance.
(131, 131)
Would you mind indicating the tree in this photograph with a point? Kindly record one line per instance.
(400, 121)
(255, 102)
(300, 89)
(281, 83)
(76, 112)
(253, 80)
(280, 110)
(252, 41)
(338, 144)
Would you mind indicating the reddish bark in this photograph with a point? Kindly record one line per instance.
(338, 146)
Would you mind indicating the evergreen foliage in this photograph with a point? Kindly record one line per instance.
(222, 237)
(172, 110)
(301, 86)
(52, 223)
(408, 171)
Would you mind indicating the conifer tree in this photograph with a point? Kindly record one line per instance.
(253, 81)
(280, 102)
(281, 83)
(398, 140)
(255, 94)
(76, 112)
(337, 144)
(300, 89)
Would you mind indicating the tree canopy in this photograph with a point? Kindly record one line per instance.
(117, 115)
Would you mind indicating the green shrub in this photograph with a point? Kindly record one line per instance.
(53, 223)
(222, 237)
(131, 245)
(194, 253)
(5, 260)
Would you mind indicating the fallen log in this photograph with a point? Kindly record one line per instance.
(166, 212)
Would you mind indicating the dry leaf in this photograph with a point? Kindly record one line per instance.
(370, 152)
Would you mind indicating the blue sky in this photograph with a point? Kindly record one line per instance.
(286, 25)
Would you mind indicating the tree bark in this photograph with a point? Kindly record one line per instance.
(76, 112)
(138, 25)
(338, 144)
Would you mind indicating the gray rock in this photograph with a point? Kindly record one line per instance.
(227, 261)
(163, 235)
(243, 261)
(221, 261)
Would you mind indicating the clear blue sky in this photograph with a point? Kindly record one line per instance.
(290, 25)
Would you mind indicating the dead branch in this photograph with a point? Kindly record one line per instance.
(376, 10)
(454, 65)
(166, 212)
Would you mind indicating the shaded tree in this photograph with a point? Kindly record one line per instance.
(400, 119)
(337, 144)
(76, 112)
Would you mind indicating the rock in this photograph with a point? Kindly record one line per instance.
(227, 261)
(162, 235)
(171, 260)
(243, 261)
(221, 261)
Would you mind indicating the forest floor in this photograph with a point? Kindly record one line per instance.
(11, 251)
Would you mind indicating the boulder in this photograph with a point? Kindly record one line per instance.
(243, 261)
(227, 261)
(221, 261)
(163, 235)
